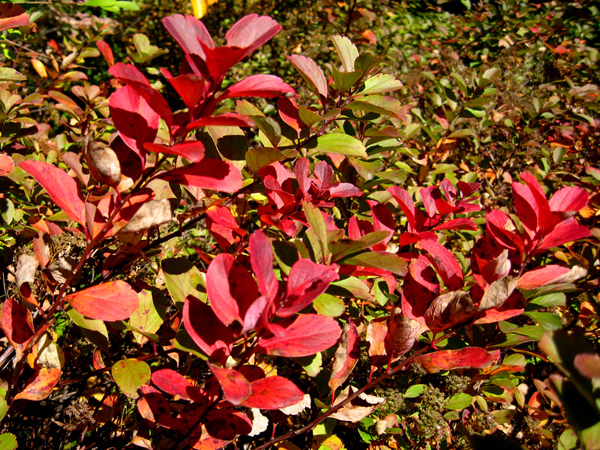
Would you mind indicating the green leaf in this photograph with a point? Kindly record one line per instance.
(459, 402)
(548, 321)
(350, 287)
(8, 441)
(3, 408)
(366, 62)
(311, 364)
(269, 127)
(257, 158)
(231, 142)
(552, 299)
(462, 133)
(340, 144)
(150, 314)
(329, 305)
(130, 375)
(379, 260)
(381, 83)
(379, 104)
(309, 117)
(366, 169)
(346, 50)
(7, 210)
(94, 330)
(101, 3)
(489, 76)
(414, 391)
(346, 247)
(317, 224)
(182, 279)
(345, 80)
(286, 255)
(8, 74)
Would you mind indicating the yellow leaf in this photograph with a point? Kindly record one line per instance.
(39, 68)
(199, 7)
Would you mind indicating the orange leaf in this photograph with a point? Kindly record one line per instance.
(111, 301)
(40, 385)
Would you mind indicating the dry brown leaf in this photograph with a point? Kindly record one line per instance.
(357, 409)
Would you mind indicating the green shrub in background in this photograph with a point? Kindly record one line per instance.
(408, 213)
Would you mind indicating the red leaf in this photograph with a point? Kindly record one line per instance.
(192, 150)
(273, 393)
(252, 31)
(311, 73)
(235, 386)
(12, 16)
(40, 385)
(61, 188)
(111, 301)
(222, 225)
(206, 330)
(457, 224)
(208, 174)
(569, 199)
(376, 334)
(261, 258)
(6, 164)
(407, 205)
(188, 32)
(307, 335)
(265, 86)
(445, 262)
(288, 111)
(306, 282)
(566, 231)
(346, 356)
(231, 289)
(106, 52)
(174, 383)
(421, 287)
(382, 220)
(222, 120)
(220, 427)
(132, 77)
(17, 323)
(190, 87)
(134, 118)
(464, 358)
(550, 274)
(159, 406)
(497, 223)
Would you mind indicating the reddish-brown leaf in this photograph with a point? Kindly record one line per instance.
(311, 73)
(235, 386)
(273, 393)
(448, 310)
(106, 52)
(111, 301)
(61, 188)
(307, 335)
(208, 174)
(401, 335)
(17, 323)
(220, 427)
(376, 333)
(159, 407)
(40, 385)
(6, 164)
(206, 330)
(346, 356)
(12, 16)
(464, 358)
